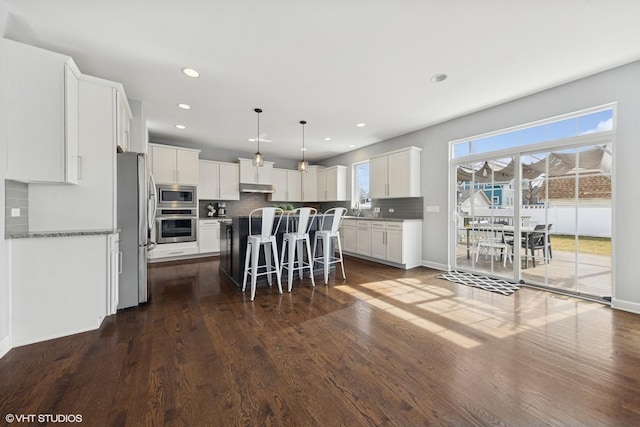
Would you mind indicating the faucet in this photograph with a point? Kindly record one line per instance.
(356, 209)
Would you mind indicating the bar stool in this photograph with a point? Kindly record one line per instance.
(325, 233)
(304, 217)
(267, 237)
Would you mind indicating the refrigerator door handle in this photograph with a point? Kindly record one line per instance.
(153, 194)
(151, 245)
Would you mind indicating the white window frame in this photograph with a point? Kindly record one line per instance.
(355, 194)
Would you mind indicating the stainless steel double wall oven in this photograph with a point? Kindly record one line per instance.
(177, 215)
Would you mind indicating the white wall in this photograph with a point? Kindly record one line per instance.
(4, 280)
(618, 85)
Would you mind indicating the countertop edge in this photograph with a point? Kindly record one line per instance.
(70, 233)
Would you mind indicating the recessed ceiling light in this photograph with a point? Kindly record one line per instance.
(303, 149)
(191, 72)
(437, 78)
(251, 140)
(361, 125)
(327, 139)
(352, 146)
(182, 127)
(184, 106)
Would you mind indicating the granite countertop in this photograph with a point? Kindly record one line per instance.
(71, 233)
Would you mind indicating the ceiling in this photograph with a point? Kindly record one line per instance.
(333, 63)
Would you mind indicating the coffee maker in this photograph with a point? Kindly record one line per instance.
(221, 209)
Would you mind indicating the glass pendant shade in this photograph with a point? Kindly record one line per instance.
(258, 160)
(303, 166)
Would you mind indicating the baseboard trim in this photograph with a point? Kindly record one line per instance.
(5, 346)
(436, 265)
(630, 306)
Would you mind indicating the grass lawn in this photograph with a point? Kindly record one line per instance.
(588, 245)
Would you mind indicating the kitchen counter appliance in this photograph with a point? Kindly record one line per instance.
(136, 208)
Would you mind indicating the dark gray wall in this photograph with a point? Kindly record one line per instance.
(620, 85)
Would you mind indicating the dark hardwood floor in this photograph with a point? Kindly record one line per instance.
(386, 347)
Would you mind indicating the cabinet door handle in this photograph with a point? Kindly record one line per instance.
(120, 262)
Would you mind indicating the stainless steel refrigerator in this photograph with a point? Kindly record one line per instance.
(133, 222)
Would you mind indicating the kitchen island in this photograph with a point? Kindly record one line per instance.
(233, 245)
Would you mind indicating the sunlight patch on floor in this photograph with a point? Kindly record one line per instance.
(412, 318)
(390, 295)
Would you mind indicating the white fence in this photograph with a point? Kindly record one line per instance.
(590, 220)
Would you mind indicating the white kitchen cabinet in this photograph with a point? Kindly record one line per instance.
(59, 286)
(363, 238)
(287, 184)
(378, 239)
(218, 181)
(90, 204)
(168, 251)
(123, 122)
(42, 115)
(309, 181)
(229, 181)
(387, 241)
(115, 268)
(208, 236)
(138, 131)
(348, 235)
(332, 184)
(174, 165)
(250, 174)
(395, 174)
(396, 243)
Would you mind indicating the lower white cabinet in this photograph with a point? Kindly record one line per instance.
(115, 268)
(363, 238)
(397, 243)
(387, 241)
(169, 251)
(208, 236)
(59, 285)
(348, 235)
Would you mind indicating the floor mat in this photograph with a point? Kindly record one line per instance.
(488, 284)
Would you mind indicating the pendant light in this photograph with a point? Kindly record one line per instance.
(302, 165)
(258, 160)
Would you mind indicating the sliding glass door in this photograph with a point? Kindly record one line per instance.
(543, 217)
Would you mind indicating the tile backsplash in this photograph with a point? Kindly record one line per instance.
(403, 208)
(16, 197)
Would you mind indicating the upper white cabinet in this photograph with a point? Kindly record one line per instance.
(174, 165)
(123, 122)
(218, 180)
(310, 184)
(332, 184)
(91, 203)
(288, 185)
(395, 174)
(250, 174)
(139, 134)
(42, 115)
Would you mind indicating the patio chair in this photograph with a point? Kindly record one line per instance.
(540, 239)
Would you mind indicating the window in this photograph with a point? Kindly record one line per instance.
(360, 185)
(580, 123)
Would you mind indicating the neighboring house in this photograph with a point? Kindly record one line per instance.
(497, 194)
(592, 186)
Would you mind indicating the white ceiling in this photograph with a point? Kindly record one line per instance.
(333, 63)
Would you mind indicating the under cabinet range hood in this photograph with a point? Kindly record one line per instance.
(257, 188)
